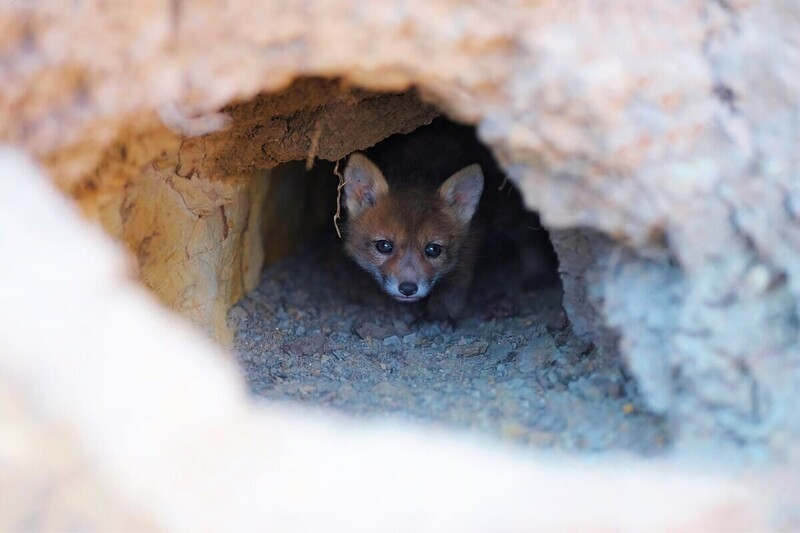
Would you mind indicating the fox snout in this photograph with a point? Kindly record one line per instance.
(407, 291)
(407, 288)
(408, 284)
(404, 274)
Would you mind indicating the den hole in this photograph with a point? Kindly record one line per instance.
(318, 330)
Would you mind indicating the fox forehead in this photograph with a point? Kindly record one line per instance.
(405, 218)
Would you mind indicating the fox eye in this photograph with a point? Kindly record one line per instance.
(433, 250)
(384, 246)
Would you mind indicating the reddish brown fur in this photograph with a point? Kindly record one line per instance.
(391, 223)
(411, 219)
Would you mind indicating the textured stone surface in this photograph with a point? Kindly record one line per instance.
(670, 127)
(197, 241)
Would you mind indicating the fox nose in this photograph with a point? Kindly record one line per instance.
(407, 288)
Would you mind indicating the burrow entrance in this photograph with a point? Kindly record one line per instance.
(243, 213)
(317, 331)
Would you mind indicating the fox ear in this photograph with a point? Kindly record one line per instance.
(462, 192)
(363, 184)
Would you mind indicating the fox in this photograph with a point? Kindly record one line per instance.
(415, 230)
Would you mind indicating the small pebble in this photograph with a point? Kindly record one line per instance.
(394, 340)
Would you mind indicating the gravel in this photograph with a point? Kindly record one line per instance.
(318, 332)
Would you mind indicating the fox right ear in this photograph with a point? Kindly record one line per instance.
(462, 192)
(363, 184)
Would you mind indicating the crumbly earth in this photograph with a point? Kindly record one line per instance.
(317, 331)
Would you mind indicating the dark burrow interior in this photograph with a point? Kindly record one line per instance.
(319, 332)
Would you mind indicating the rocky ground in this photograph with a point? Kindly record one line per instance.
(318, 332)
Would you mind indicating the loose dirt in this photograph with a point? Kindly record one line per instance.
(318, 332)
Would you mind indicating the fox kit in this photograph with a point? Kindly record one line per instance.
(415, 232)
(425, 209)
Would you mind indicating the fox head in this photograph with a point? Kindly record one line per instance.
(408, 238)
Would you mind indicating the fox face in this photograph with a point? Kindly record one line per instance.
(408, 238)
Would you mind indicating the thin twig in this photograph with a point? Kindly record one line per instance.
(502, 185)
(339, 188)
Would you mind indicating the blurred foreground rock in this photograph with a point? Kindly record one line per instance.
(116, 415)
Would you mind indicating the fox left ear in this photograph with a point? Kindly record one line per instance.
(462, 192)
(364, 184)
